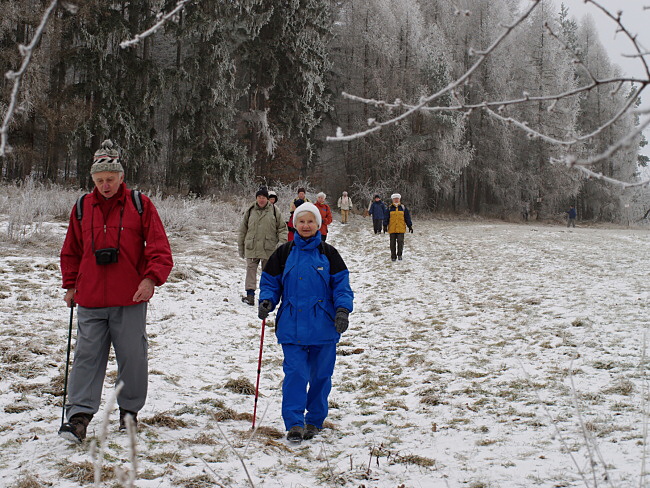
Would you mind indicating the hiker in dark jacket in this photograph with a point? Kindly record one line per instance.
(396, 221)
(310, 282)
(377, 210)
(302, 198)
(571, 217)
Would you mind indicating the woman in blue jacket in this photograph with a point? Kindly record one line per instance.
(312, 282)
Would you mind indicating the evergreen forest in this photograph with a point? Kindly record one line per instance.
(231, 94)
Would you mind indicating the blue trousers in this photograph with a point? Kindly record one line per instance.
(304, 366)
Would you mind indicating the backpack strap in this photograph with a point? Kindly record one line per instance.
(136, 196)
(79, 206)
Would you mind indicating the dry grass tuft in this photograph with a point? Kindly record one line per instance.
(26, 480)
(203, 439)
(269, 432)
(225, 413)
(163, 420)
(344, 352)
(84, 472)
(201, 481)
(18, 408)
(415, 459)
(240, 385)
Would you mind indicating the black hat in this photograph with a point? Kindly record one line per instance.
(262, 191)
(376, 196)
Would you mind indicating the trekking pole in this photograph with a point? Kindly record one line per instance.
(67, 362)
(259, 371)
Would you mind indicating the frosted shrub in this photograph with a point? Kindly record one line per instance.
(29, 204)
(191, 215)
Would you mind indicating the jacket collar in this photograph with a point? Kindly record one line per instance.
(306, 244)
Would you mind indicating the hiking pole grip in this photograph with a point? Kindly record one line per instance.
(67, 363)
(259, 372)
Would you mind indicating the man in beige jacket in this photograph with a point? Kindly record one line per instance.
(261, 231)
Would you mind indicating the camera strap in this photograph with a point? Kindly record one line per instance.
(92, 230)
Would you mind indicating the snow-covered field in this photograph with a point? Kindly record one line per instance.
(494, 355)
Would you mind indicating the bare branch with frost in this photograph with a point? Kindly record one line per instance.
(153, 29)
(16, 76)
(621, 28)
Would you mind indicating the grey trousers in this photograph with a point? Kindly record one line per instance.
(97, 329)
(251, 272)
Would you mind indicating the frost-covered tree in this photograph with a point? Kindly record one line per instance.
(598, 199)
(203, 144)
(285, 68)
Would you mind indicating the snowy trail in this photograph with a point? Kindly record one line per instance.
(456, 369)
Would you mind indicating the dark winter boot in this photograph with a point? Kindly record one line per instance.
(75, 430)
(250, 299)
(123, 414)
(310, 432)
(295, 433)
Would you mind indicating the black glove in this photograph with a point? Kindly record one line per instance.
(411, 230)
(341, 321)
(264, 308)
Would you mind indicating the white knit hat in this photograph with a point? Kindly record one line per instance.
(396, 195)
(307, 207)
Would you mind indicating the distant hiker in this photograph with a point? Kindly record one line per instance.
(377, 210)
(261, 231)
(302, 198)
(115, 252)
(310, 281)
(525, 211)
(325, 212)
(273, 197)
(396, 221)
(571, 217)
(345, 205)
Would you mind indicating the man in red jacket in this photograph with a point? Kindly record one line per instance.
(112, 258)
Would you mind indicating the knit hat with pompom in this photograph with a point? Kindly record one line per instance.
(106, 159)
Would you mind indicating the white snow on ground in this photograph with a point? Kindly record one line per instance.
(494, 355)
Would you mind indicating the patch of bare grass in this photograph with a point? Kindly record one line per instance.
(84, 472)
(242, 386)
(201, 481)
(414, 459)
(164, 420)
(26, 480)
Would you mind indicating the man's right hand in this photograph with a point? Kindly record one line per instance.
(69, 297)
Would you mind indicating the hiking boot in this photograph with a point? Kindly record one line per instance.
(399, 258)
(295, 433)
(123, 414)
(310, 432)
(250, 299)
(75, 429)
